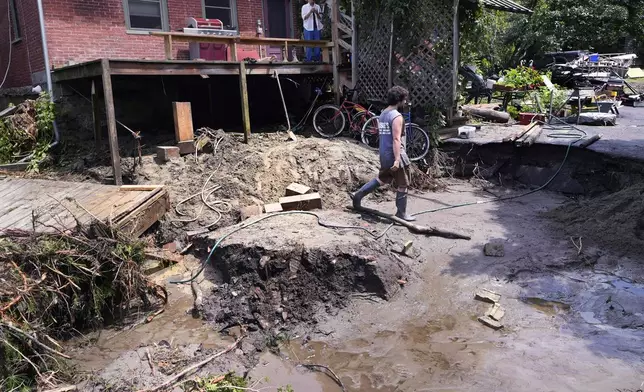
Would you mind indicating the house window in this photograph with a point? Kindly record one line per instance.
(224, 10)
(15, 23)
(146, 14)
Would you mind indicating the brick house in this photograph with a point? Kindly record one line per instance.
(83, 30)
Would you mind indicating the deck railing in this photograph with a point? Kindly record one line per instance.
(284, 43)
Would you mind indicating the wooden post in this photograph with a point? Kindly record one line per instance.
(111, 122)
(335, 36)
(326, 56)
(390, 66)
(183, 127)
(285, 59)
(455, 63)
(354, 46)
(233, 51)
(168, 47)
(96, 112)
(243, 88)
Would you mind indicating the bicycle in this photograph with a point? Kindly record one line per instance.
(418, 142)
(330, 120)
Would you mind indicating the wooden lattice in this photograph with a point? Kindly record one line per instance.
(422, 56)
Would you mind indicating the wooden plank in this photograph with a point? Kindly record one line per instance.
(9, 186)
(326, 55)
(96, 113)
(243, 87)
(233, 51)
(183, 127)
(111, 122)
(335, 36)
(141, 219)
(77, 71)
(63, 215)
(142, 200)
(128, 188)
(108, 205)
(19, 203)
(253, 41)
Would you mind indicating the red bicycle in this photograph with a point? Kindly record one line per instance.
(330, 120)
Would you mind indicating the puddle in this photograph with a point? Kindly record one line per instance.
(545, 306)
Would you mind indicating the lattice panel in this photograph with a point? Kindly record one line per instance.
(422, 55)
(374, 41)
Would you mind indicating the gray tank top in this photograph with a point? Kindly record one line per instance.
(385, 125)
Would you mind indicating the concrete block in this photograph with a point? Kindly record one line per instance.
(273, 207)
(488, 321)
(487, 296)
(166, 153)
(187, 147)
(496, 312)
(250, 211)
(296, 189)
(302, 202)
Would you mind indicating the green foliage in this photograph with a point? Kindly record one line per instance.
(559, 97)
(27, 131)
(228, 383)
(521, 77)
(513, 112)
(287, 388)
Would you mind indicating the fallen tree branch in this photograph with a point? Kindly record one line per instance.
(64, 389)
(196, 366)
(332, 374)
(15, 330)
(429, 231)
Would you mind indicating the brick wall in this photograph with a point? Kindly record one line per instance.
(84, 30)
(26, 54)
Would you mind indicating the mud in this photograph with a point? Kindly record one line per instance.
(277, 276)
(621, 214)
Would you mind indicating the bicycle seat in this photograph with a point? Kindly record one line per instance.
(377, 102)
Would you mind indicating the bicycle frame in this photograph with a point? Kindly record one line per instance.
(346, 108)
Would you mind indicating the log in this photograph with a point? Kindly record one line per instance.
(488, 114)
(588, 142)
(428, 231)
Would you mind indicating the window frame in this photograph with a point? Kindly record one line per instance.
(16, 34)
(165, 23)
(233, 12)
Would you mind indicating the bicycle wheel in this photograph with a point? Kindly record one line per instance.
(371, 134)
(329, 121)
(417, 142)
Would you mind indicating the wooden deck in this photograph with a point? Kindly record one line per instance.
(49, 206)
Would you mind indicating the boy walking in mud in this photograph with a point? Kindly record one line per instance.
(394, 163)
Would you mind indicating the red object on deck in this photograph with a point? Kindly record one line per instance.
(527, 118)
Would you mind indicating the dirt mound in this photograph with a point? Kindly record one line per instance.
(280, 273)
(615, 220)
(258, 173)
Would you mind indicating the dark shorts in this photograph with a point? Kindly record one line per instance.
(399, 178)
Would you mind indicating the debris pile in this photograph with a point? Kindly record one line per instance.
(26, 129)
(55, 285)
(495, 312)
(621, 214)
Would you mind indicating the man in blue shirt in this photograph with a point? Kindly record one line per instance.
(394, 162)
(312, 15)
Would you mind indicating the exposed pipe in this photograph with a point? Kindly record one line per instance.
(50, 86)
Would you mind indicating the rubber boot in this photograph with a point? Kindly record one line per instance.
(364, 191)
(401, 204)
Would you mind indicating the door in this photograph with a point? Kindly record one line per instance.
(277, 14)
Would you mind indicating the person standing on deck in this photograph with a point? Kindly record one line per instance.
(394, 163)
(311, 14)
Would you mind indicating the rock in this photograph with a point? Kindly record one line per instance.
(494, 249)
(239, 352)
(187, 147)
(487, 296)
(488, 321)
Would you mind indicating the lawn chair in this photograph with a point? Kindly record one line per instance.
(478, 88)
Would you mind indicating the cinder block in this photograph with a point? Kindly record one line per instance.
(296, 189)
(250, 211)
(166, 153)
(301, 202)
(187, 147)
(274, 207)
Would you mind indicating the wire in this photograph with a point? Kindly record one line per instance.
(9, 42)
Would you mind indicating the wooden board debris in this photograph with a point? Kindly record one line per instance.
(183, 127)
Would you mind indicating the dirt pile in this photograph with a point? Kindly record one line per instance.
(258, 173)
(615, 220)
(284, 272)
